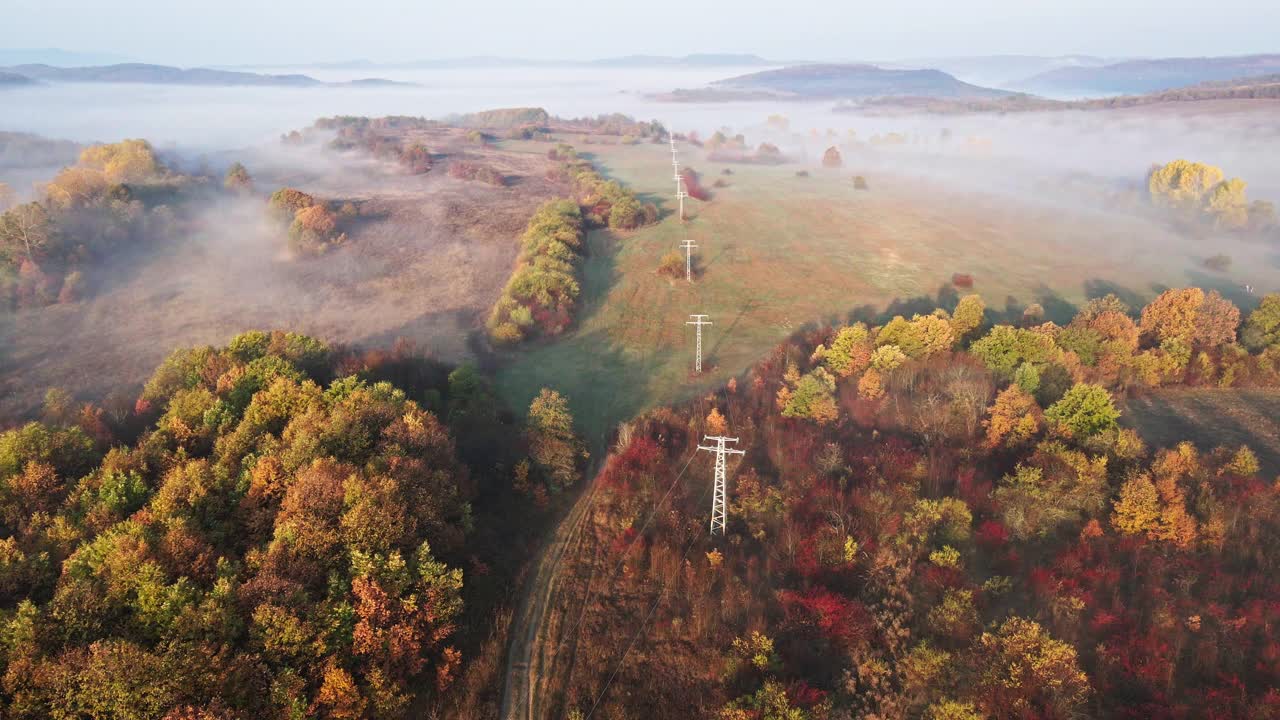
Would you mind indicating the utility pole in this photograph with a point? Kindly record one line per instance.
(688, 246)
(698, 321)
(718, 497)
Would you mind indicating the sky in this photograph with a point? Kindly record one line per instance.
(199, 32)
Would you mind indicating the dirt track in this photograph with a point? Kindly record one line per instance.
(532, 646)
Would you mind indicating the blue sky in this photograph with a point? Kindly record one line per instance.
(192, 32)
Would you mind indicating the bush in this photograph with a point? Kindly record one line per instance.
(314, 229)
(286, 202)
(238, 179)
(626, 214)
(672, 265)
(831, 158)
(802, 173)
(860, 183)
(416, 159)
(465, 170)
(693, 186)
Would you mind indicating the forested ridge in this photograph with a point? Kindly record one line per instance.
(940, 518)
(277, 528)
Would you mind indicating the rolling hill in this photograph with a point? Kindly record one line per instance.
(8, 79)
(1146, 76)
(1262, 87)
(854, 81)
(166, 75)
(999, 70)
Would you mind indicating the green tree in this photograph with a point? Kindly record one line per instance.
(237, 179)
(553, 446)
(1084, 411)
(968, 316)
(850, 351)
(813, 397)
(1262, 328)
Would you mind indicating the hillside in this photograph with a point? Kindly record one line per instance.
(1145, 76)
(1263, 87)
(999, 70)
(166, 75)
(8, 79)
(850, 81)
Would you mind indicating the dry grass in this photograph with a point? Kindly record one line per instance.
(778, 252)
(425, 260)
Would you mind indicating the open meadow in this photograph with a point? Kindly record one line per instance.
(778, 251)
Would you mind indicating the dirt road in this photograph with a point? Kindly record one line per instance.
(531, 648)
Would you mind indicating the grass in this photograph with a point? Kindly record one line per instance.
(778, 252)
(1210, 418)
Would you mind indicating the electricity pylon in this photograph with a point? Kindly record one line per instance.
(688, 246)
(718, 497)
(698, 321)
(681, 195)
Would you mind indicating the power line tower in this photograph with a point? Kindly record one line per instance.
(698, 321)
(718, 497)
(688, 246)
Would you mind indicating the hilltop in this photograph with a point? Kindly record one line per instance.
(837, 81)
(1145, 76)
(1263, 87)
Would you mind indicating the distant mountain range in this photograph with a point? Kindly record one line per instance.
(1262, 87)
(486, 61)
(1145, 76)
(836, 82)
(8, 79)
(1000, 70)
(165, 75)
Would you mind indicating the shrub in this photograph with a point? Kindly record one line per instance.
(465, 170)
(286, 202)
(693, 186)
(416, 159)
(962, 280)
(626, 214)
(859, 183)
(314, 229)
(238, 179)
(802, 173)
(672, 265)
(831, 158)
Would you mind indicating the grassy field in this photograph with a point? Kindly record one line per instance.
(779, 251)
(1211, 417)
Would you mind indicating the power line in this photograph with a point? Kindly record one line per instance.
(718, 512)
(688, 246)
(698, 321)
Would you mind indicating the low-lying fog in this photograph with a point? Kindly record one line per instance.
(1118, 145)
